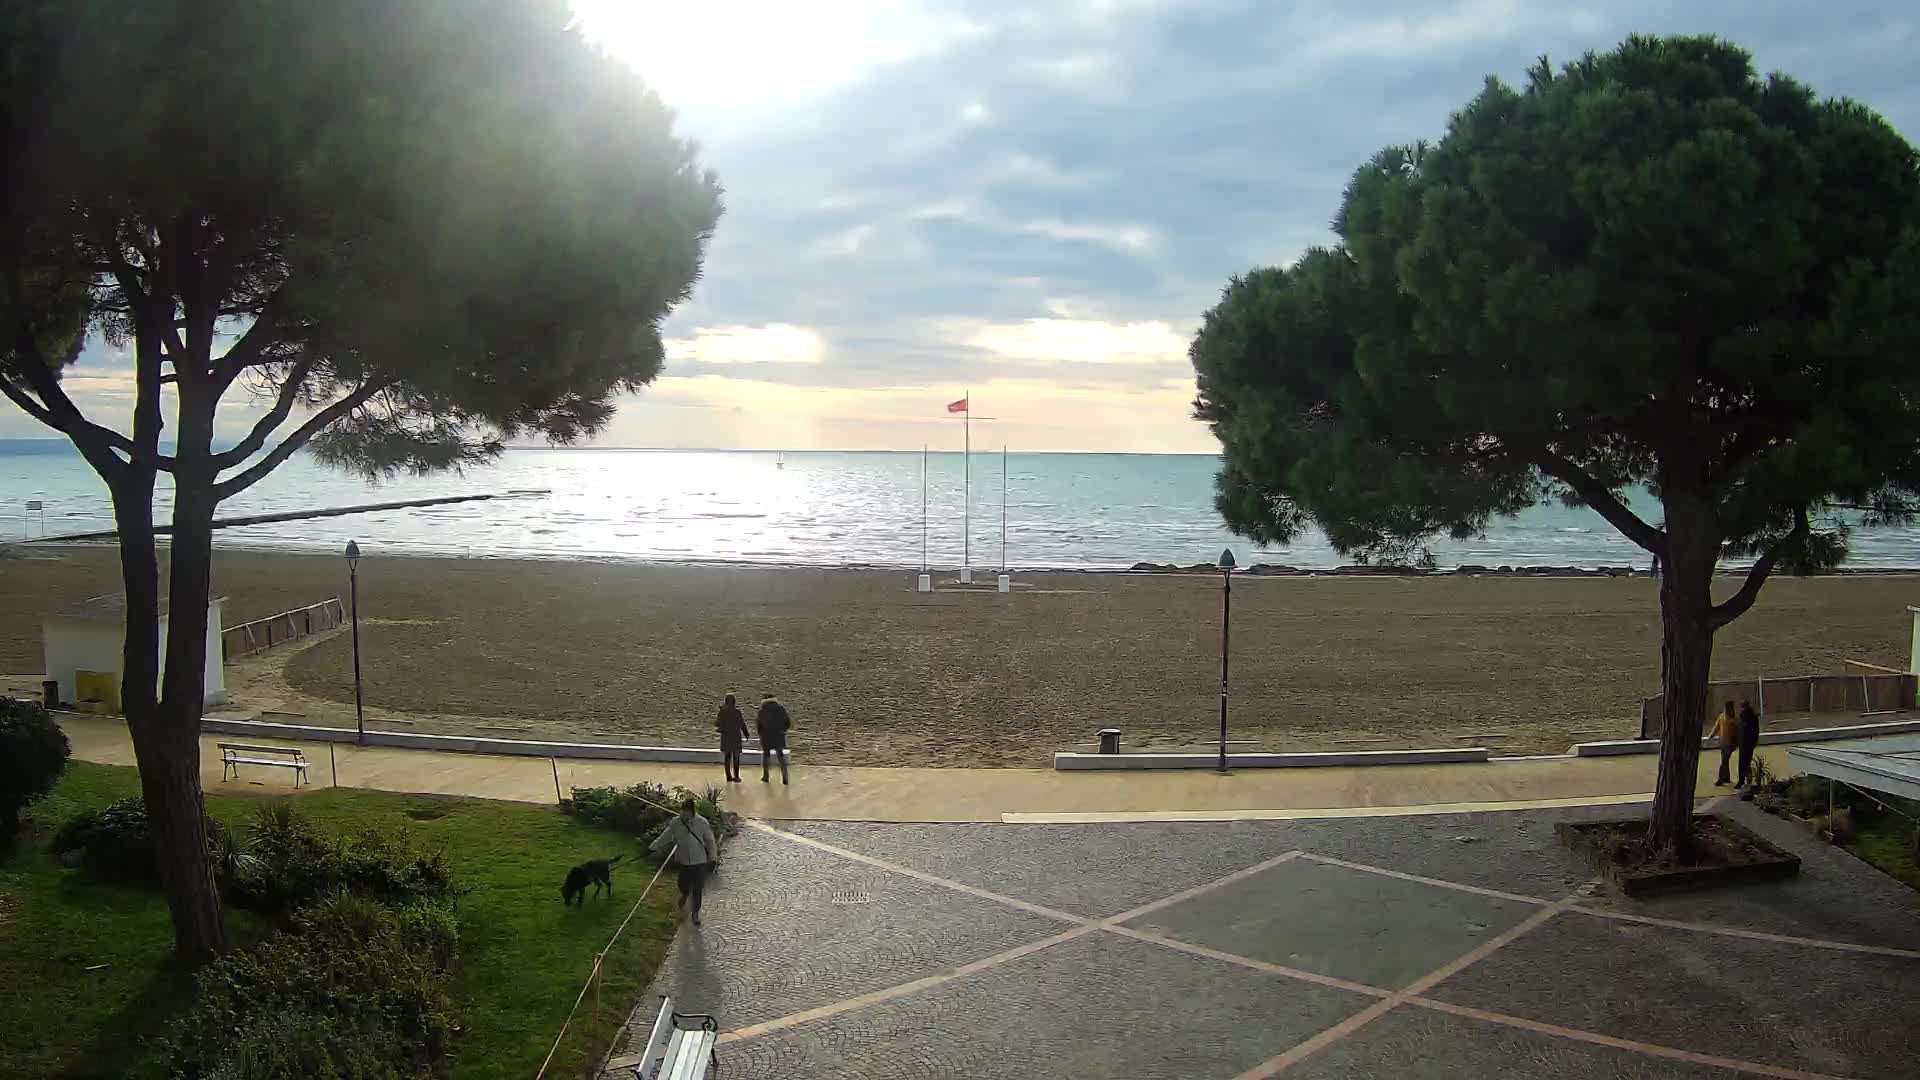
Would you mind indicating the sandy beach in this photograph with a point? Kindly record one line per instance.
(876, 674)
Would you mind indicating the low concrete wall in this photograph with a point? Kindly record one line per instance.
(1797, 735)
(1066, 760)
(472, 744)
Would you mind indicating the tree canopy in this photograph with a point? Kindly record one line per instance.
(429, 225)
(1652, 268)
(402, 232)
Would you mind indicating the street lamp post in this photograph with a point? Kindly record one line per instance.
(353, 587)
(1226, 636)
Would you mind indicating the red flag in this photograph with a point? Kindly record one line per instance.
(957, 406)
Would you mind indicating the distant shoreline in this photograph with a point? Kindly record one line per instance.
(986, 573)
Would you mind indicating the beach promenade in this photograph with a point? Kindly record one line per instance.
(838, 793)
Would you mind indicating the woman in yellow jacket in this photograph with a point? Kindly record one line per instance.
(1726, 733)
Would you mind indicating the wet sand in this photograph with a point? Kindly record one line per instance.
(876, 674)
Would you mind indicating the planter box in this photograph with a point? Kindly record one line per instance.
(1764, 861)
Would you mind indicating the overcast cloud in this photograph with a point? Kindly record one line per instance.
(1036, 201)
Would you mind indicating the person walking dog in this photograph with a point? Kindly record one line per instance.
(773, 723)
(732, 725)
(694, 850)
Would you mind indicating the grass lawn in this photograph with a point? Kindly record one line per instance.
(1885, 840)
(523, 956)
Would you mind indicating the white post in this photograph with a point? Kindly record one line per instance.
(1913, 658)
(966, 512)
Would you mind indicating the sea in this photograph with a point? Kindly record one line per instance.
(812, 508)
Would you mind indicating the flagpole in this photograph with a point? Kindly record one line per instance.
(923, 508)
(1003, 508)
(966, 514)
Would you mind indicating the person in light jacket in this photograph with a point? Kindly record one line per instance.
(1726, 736)
(732, 725)
(694, 851)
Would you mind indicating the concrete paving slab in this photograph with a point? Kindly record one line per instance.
(1418, 1044)
(788, 928)
(1836, 896)
(1843, 1014)
(1093, 872)
(1098, 1006)
(1334, 921)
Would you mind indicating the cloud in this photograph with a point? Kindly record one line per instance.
(1065, 340)
(774, 343)
(910, 191)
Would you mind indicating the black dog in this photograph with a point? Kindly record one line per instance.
(593, 873)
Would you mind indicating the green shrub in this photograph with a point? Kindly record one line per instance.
(640, 810)
(33, 754)
(352, 989)
(289, 862)
(114, 843)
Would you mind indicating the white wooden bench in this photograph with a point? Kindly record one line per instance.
(676, 1052)
(233, 755)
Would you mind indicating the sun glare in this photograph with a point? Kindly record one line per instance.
(724, 57)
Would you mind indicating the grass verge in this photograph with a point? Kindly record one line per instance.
(89, 972)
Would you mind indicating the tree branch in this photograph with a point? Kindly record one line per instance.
(1737, 604)
(1602, 499)
(315, 424)
(282, 408)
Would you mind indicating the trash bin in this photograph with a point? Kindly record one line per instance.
(50, 693)
(1110, 740)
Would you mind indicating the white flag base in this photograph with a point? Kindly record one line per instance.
(924, 584)
(1005, 584)
(966, 575)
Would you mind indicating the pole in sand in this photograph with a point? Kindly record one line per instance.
(924, 583)
(966, 512)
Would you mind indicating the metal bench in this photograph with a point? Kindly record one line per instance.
(676, 1052)
(233, 755)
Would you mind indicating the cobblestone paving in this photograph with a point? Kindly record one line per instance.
(1243, 949)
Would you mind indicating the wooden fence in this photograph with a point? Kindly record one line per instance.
(1864, 693)
(253, 638)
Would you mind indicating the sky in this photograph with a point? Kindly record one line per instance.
(1035, 202)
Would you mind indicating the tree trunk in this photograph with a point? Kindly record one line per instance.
(1686, 665)
(199, 924)
(167, 750)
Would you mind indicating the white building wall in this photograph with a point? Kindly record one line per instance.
(72, 644)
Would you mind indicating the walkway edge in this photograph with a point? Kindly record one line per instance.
(1099, 817)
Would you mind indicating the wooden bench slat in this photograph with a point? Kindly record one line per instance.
(257, 749)
(267, 761)
(685, 1061)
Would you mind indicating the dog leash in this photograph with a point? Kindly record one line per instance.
(600, 957)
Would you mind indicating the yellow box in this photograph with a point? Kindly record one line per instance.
(100, 686)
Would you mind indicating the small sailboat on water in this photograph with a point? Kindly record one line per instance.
(780, 460)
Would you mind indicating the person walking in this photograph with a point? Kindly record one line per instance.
(773, 723)
(694, 850)
(1749, 739)
(1726, 735)
(732, 725)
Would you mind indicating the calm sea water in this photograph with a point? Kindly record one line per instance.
(823, 509)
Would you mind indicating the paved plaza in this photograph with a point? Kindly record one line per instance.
(1460, 945)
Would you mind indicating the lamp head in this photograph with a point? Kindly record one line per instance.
(1225, 562)
(353, 555)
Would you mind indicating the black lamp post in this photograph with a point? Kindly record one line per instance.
(353, 586)
(1226, 636)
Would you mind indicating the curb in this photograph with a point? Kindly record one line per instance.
(1068, 761)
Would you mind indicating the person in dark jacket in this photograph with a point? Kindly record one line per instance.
(773, 723)
(732, 725)
(1749, 739)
